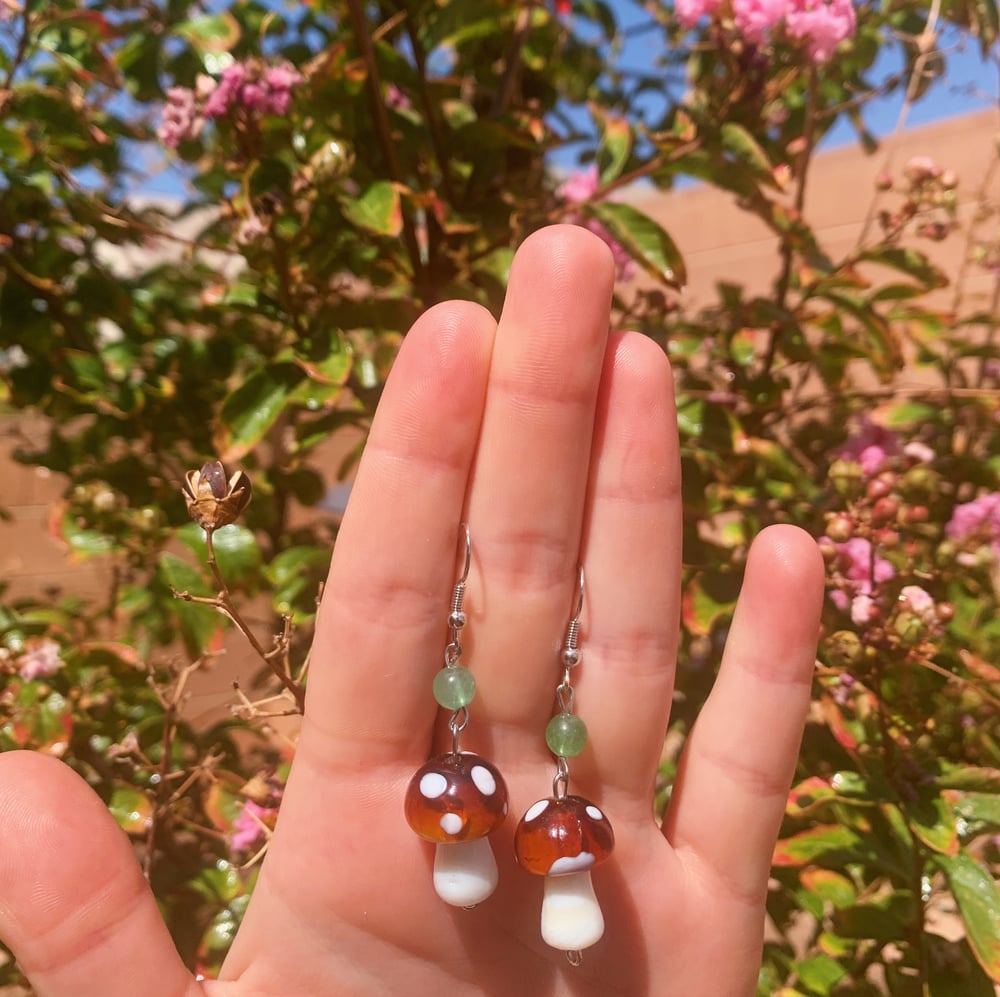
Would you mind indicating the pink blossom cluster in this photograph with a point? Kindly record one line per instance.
(248, 86)
(264, 90)
(873, 446)
(40, 659)
(181, 120)
(821, 25)
(579, 188)
(248, 827)
(978, 520)
(861, 570)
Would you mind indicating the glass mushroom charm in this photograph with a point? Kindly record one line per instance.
(458, 798)
(563, 837)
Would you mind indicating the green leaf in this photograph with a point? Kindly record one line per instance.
(911, 262)
(324, 380)
(84, 542)
(932, 821)
(615, 147)
(738, 141)
(979, 811)
(969, 777)
(805, 847)
(131, 808)
(296, 575)
(701, 608)
(211, 33)
(830, 886)
(236, 551)
(978, 901)
(376, 210)
(251, 410)
(643, 239)
(820, 973)
(198, 622)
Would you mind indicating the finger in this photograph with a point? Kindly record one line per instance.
(632, 569)
(734, 777)
(382, 625)
(74, 908)
(527, 493)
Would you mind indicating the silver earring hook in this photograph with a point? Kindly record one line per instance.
(579, 598)
(466, 566)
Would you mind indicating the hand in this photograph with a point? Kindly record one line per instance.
(557, 444)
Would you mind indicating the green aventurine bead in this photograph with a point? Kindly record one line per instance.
(566, 735)
(454, 687)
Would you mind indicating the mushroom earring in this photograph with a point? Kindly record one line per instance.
(458, 798)
(563, 837)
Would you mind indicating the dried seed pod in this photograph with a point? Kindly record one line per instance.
(212, 499)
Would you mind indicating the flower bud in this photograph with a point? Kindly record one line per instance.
(945, 611)
(212, 499)
(843, 648)
(840, 527)
(828, 548)
(881, 486)
(886, 537)
(884, 510)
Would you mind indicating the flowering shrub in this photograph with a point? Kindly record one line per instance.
(341, 175)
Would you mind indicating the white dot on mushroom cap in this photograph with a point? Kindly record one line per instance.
(571, 863)
(483, 778)
(536, 809)
(592, 811)
(432, 785)
(451, 823)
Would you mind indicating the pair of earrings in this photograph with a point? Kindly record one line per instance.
(457, 798)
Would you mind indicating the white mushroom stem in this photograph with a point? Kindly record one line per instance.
(465, 872)
(571, 916)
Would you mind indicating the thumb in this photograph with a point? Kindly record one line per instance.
(74, 907)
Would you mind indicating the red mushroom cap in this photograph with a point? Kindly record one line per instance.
(456, 797)
(557, 837)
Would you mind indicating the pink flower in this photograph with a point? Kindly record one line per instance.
(225, 93)
(756, 18)
(919, 452)
(40, 659)
(920, 169)
(863, 610)
(578, 189)
(248, 831)
(250, 229)
(580, 186)
(247, 85)
(823, 26)
(690, 12)
(978, 520)
(180, 121)
(396, 99)
(861, 570)
(921, 602)
(870, 447)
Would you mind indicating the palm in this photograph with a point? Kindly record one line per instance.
(557, 446)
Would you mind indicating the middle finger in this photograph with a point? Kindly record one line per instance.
(527, 492)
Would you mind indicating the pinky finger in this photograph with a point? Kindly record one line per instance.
(737, 767)
(74, 907)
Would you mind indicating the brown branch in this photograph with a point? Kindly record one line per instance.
(362, 38)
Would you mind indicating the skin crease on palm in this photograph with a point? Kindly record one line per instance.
(556, 442)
